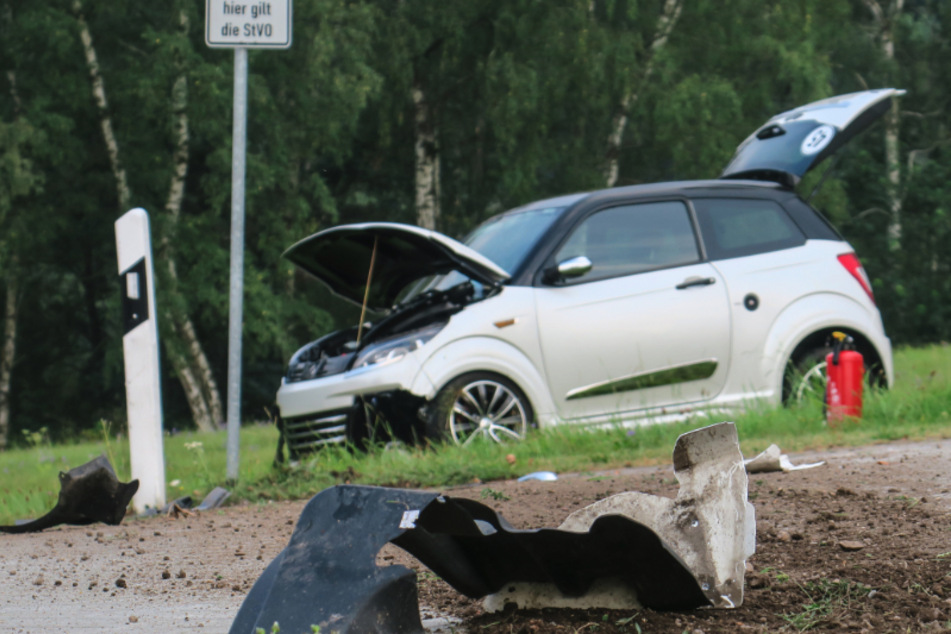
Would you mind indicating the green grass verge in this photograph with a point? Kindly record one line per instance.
(194, 464)
(916, 408)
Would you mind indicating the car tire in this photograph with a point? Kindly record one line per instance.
(806, 377)
(479, 405)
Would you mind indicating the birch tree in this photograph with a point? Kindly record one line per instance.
(885, 14)
(427, 157)
(427, 59)
(666, 22)
(187, 354)
(17, 180)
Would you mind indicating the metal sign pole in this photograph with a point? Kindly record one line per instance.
(241, 24)
(236, 304)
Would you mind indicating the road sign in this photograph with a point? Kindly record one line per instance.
(247, 23)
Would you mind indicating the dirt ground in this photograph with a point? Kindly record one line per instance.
(862, 544)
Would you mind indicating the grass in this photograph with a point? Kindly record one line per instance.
(194, 464)
(916, 408)
(826, 600)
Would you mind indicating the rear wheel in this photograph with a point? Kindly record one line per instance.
(806, 377)
(480, 405)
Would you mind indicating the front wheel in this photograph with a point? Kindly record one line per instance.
(480, 405)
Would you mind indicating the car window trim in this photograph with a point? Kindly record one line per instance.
(538, 279)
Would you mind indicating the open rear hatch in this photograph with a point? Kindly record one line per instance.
(792, 143)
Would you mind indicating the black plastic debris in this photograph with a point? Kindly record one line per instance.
(186, 504)
(89, 493)
(328, 577)
(214, 499)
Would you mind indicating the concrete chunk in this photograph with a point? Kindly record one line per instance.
(710, 526)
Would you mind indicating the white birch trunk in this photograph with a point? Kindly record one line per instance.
(613, 154)
(211, 410)
(9, 351)
(893, 171)
(105, 121)
(191, 385)
(885, 22)
(427, 161)
(187, 356)
(665, 25)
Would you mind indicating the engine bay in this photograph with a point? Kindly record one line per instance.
(336, 352)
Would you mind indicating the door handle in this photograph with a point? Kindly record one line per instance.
(695, 281)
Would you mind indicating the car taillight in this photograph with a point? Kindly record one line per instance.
(851, 263)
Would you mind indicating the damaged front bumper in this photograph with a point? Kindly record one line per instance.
(317, 412)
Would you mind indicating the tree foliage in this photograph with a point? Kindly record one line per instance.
(522, 98)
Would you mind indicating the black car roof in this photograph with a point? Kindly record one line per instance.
(650, 189)
(686, 188)
(582, 203)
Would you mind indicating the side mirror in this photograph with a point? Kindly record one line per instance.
(567, 269)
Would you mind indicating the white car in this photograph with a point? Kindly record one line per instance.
(632, 304)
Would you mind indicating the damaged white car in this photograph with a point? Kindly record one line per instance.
(631, 304)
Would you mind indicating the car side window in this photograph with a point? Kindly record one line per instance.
(633, 238)
(733, 228)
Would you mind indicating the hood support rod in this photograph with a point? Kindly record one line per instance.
(366, 293)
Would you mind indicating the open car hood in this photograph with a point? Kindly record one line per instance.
(340, 258)
(790, 144)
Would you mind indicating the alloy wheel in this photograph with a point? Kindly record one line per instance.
(487, 409)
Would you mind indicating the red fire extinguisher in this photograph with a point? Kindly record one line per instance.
(845, 371)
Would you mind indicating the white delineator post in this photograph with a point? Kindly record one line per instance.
(141, 352)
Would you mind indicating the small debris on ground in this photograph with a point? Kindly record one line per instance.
(773, 460)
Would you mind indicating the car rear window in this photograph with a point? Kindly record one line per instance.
(733, 228)
(812, 223)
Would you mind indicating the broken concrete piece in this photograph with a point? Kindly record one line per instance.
(710, 526)
(773, 460)
(89, 493)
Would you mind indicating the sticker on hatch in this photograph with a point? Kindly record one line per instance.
(817, 140)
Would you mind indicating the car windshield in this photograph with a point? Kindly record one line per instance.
(506, 240)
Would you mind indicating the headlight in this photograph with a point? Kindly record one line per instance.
(392, 350)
